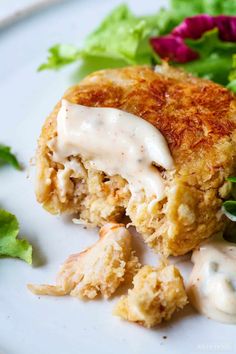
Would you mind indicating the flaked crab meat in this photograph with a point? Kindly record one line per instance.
(100, 269)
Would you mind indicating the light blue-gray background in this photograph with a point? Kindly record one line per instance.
(46, 325)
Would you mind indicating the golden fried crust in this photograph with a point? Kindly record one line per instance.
(197, 118)
(191, 113)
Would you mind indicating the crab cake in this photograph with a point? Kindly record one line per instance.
(196, 118)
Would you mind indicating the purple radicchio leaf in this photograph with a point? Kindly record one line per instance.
(194, 27)
(173, 48)
(227, 27)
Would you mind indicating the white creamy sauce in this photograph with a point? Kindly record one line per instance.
(212, 283)
(115, 142)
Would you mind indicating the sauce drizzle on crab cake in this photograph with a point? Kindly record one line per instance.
(136, 147)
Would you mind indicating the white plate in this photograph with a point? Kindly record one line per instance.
(43, 325)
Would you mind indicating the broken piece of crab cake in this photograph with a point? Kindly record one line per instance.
(156, 145)
(156, 294)
(99, 269)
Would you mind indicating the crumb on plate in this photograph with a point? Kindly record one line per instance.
(156, 294)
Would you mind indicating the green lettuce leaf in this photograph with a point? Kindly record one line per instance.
(229, 209)
(121, 37)
(7, 157)
(232, 75)
(179, 9)
(232, 86)
(232, 179)
(215, 60)
(210, 43)
(217, 7)
(9, 244)
(60, 55)
(229, 206)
